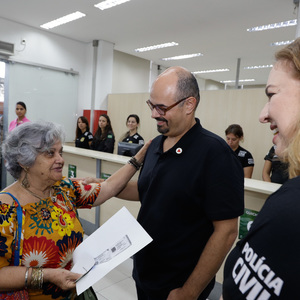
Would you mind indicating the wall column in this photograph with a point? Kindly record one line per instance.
(104, 74)
(101, 81)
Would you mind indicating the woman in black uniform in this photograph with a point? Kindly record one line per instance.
(234, 135)
(274, 169)
(83, 135)
(132, 136)
(104, 139)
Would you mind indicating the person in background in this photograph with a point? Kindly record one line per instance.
(84, 137)
(191, 189)
(51, 229)
(104, 139)
(234, 135)
(265, 264)
(21, 119)
(132, 136)
(274, 169)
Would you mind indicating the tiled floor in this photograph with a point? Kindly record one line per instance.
(119, 285)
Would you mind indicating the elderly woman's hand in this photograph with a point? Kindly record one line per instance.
(62, 278)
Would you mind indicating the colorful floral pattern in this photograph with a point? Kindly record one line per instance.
(6, 212)
(51, 231)
(62, 222)
(41, 218)
(39, 251)
(3, 246)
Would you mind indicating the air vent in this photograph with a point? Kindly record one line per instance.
(6, 49)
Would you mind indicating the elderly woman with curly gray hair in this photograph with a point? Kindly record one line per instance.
(50, 226)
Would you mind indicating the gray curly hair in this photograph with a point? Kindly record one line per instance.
(23, 144)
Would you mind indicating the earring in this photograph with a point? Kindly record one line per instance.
(25, 181)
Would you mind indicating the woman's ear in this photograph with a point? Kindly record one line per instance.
(191, 104)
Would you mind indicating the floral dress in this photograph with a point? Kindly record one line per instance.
(51, 231)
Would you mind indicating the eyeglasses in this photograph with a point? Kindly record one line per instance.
(161, 109)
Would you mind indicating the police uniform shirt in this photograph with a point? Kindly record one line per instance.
(279, 169)
(265, 264)
(245, 157)
(83, 140)
(136, 139)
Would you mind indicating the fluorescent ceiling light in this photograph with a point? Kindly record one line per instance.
(211, 71)
(182, 56)
(258, 67)
(281, 43)
(63, 20)
(149, 48)
(273, 26)
(232, 81)
(109, 3)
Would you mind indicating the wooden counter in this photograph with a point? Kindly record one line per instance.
(257, 191)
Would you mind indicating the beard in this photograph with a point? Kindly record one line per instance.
(160, 128)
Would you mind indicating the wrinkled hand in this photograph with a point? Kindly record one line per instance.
(62, 278)
(141, 154)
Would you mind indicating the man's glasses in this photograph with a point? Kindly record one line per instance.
(161, 109)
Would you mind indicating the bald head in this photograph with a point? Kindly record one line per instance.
(177, 81)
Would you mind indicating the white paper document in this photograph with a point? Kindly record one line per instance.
(115, 241)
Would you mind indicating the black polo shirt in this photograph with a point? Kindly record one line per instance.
(181, 192)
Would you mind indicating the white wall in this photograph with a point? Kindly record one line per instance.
(130, 74)
(49, 49)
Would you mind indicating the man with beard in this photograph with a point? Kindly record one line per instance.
(191, 191)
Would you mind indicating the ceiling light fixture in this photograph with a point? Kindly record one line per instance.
(282, 43)
(258, 67)
(63, 20)
(233, 81)
(109, 3)
(211, 71)
(160, 46)
(185, 56)
(273, 26)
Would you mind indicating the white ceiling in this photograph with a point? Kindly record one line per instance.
(215, 28)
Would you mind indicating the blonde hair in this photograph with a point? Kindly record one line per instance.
(290, 56)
